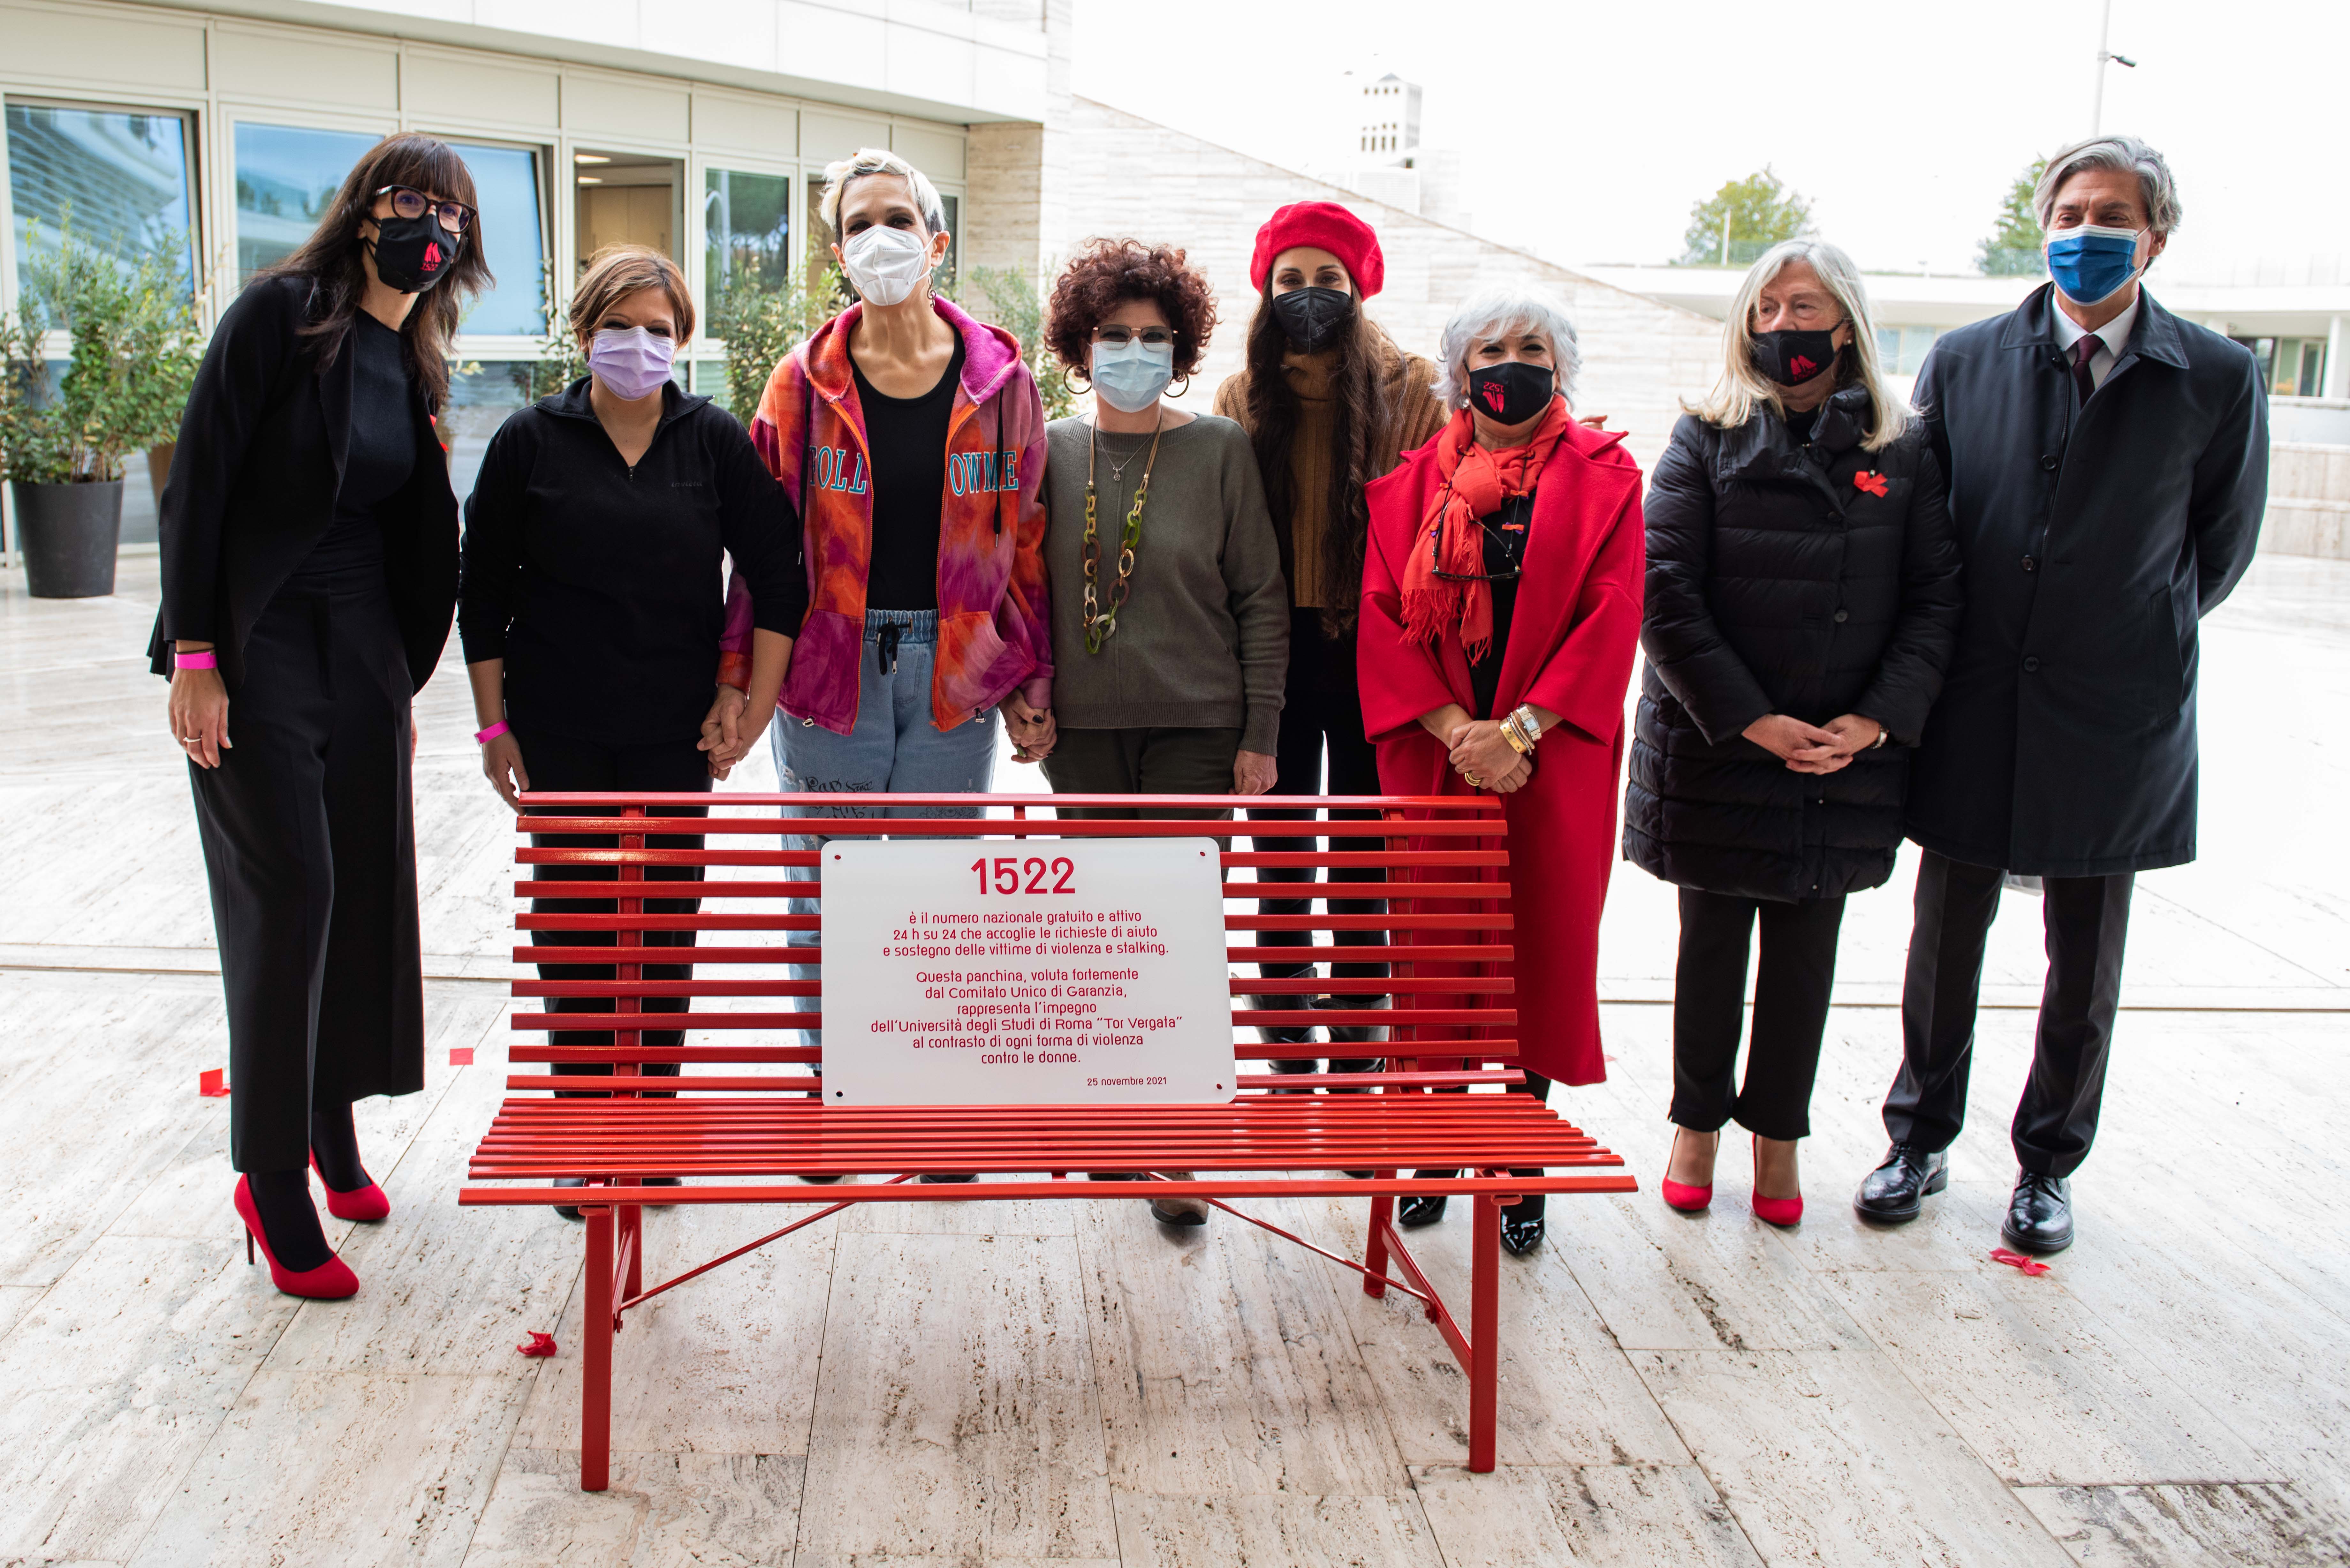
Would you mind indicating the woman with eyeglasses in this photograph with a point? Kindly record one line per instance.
(1803, 600)
(309, 541)
(1170, 621)
(1501, 609)
(592, 601)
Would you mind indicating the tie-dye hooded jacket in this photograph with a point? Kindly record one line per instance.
(994, 636)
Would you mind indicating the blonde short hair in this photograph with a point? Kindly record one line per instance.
(1742, 388)
(874, 161)
(619, 271)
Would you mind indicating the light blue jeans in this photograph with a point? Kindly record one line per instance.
(892, 748)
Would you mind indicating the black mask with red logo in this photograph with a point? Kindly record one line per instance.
(412, 255)
(1792, 357)
(1512, 392)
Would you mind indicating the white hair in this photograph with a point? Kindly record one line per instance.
(2124, 153)
(874, 161)
(1505, 310)
(1742, 388)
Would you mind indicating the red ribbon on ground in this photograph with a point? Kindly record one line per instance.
(2018, 1261)
(461, 1056)
(212, 1083)
(539, 1345)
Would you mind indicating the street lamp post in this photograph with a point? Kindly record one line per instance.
(2097, 95)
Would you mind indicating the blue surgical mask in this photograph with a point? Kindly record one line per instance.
(2089, 263)
(1130, 376)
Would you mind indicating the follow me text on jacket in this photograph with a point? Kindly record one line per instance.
(994, 635)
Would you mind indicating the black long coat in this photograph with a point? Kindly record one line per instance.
(1777, 584)
(2096, 536)
(252, 486)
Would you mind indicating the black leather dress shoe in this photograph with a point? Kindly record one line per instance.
(1522, 1226)
(1894, 1191)
(2039, 1214)
(570, 1211)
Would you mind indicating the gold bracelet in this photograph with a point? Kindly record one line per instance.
(1517, 742)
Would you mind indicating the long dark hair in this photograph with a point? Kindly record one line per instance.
(1358, 414)
(334, 258)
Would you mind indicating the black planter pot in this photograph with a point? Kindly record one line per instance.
(68, 534)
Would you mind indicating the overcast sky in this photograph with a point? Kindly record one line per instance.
(1589, 130)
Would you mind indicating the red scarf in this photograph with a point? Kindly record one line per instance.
(1477, 482)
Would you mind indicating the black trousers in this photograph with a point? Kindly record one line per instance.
(1140, 760)
(565, 763)
(311, 850)
(1322, 711)
(2087, 921)
(1790, 1011)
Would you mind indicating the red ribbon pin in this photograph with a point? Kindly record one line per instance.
(1870, 481)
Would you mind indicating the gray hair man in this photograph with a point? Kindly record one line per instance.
(2108, 468)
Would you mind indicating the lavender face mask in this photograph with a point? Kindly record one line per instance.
(631, 362)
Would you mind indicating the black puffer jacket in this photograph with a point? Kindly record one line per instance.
(1781, 582)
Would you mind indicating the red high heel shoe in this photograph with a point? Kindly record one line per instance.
(366, 1204)
(1780, 1211)
(330, 1281)
(1680, 1195)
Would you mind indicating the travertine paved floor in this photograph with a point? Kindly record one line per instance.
(1024, 1384)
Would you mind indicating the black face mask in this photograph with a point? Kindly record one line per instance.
(1790, 357)
(1315, 318)
(412, 255)
(1511, 392)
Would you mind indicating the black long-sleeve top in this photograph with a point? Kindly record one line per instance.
(599, 584)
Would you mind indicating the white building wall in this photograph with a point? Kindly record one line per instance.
(1130, 176)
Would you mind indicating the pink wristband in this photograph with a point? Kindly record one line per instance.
(205, 661)
(483, 737)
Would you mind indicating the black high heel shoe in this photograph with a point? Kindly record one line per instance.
(1426, 1208)
(1522, 1226)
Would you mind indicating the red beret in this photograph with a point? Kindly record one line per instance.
(1330, 227)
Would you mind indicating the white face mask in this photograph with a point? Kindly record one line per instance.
(885, 265)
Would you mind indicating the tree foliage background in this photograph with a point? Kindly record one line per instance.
(2012, 249)
(1759, 211)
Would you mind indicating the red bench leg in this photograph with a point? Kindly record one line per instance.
(596, 1364)
(1485, 1322)
(1375, 1252)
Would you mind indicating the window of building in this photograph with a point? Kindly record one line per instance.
(747, 232)
(120, 178)
(286, 177)
(506, 185)
(625, 198)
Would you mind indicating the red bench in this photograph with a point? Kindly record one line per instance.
(739, 1133)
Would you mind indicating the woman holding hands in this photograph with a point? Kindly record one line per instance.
(593, 601)
(1500, 607)
(1803, 600)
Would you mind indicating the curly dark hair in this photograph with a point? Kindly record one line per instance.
(1108, 273)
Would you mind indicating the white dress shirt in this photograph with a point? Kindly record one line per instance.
(2113, 336)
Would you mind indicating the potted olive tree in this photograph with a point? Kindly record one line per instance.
(134, 351)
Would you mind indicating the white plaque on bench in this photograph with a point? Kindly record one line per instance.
(1048, 972)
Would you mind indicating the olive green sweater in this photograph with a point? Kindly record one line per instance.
(1203, 640)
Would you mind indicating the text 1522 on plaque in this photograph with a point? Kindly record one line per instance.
(1053, 971)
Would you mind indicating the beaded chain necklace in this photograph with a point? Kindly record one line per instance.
(1102, 624)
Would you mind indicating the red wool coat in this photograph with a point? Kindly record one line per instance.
(1572, 638)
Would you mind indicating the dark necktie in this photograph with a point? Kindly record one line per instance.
(2082, 352)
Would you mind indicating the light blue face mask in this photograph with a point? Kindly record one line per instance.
(2090, 263)
(1130, 376)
